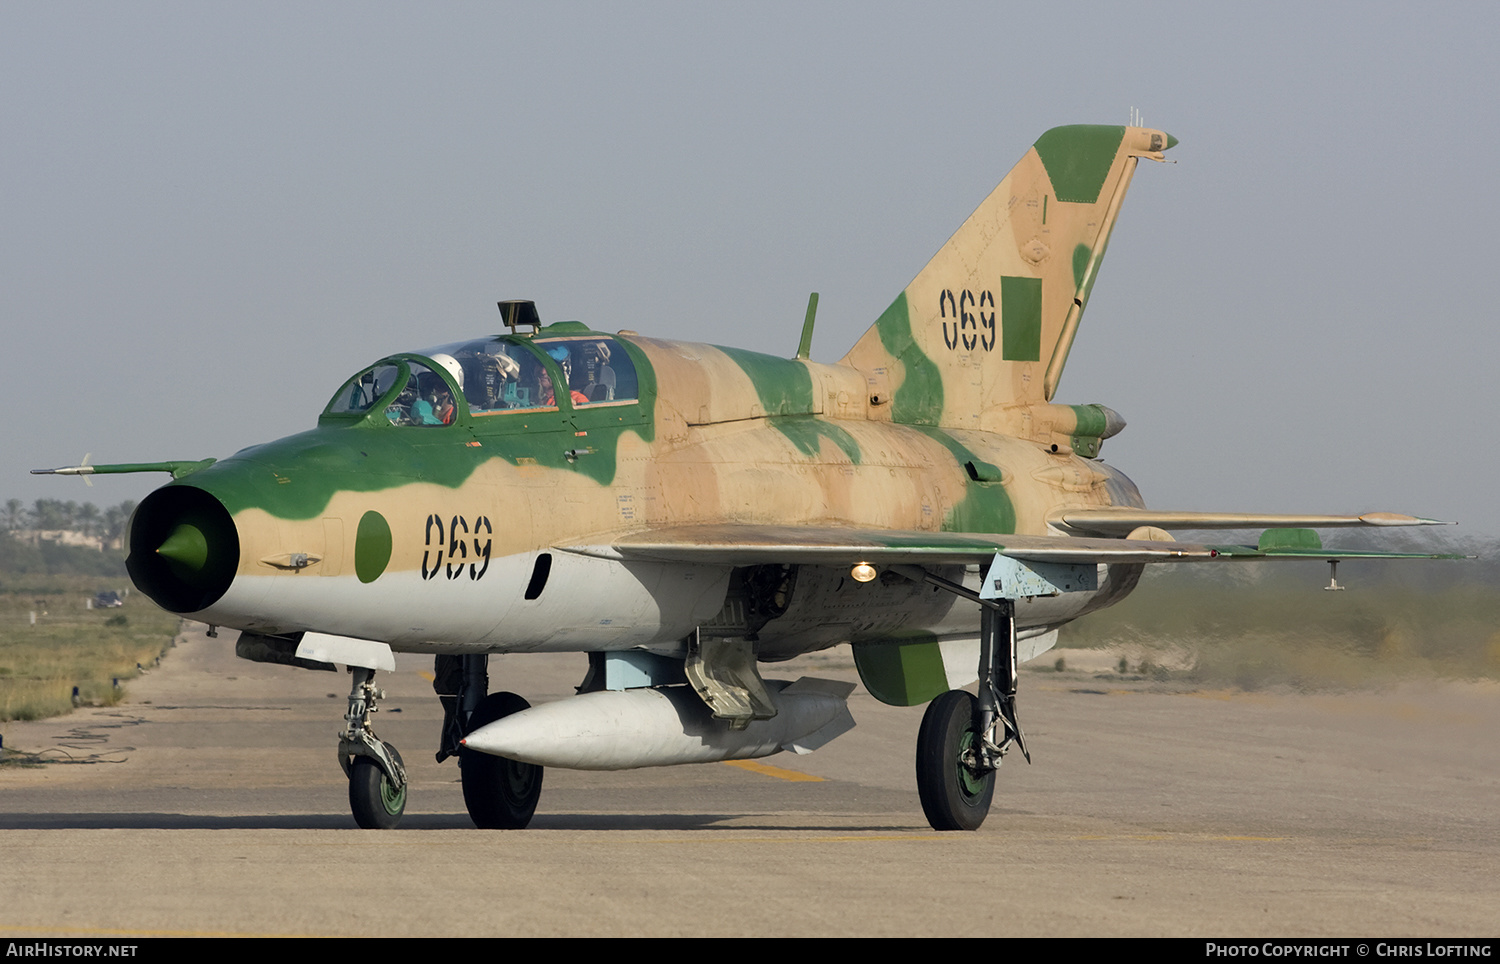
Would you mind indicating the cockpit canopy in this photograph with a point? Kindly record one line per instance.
(492, 376)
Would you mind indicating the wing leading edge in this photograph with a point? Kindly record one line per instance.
(911, 672)
(746, 545)
(1121, 521)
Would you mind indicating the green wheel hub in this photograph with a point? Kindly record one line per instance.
(954, 796)
(972, 784)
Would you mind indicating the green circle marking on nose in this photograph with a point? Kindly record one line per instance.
(372, 546)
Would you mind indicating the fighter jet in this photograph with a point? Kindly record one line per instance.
(687, 513)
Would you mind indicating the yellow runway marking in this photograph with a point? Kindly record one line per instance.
(755, 766)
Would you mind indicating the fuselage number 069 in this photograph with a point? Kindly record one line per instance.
(452, 547)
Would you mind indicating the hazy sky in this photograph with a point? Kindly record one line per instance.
(214, 213)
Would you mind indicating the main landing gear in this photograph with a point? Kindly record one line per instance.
(500, 794)
(963, 739)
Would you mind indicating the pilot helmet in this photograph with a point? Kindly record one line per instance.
(564, 361)
(453, 367)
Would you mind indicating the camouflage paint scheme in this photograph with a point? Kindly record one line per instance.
(935, 440)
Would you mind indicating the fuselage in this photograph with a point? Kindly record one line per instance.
(452, 501)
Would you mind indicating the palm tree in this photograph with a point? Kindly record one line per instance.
(88, 518)
(48, 514)
(115, 518)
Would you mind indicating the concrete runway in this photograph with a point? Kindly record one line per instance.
(211, 804)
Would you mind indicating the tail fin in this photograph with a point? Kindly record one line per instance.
(982, 333)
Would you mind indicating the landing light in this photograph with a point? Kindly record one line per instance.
(863, 572)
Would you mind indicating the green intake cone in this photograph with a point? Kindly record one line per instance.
(185, 545)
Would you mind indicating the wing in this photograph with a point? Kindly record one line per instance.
(747, 545)
(910, 672)
(1120, 521)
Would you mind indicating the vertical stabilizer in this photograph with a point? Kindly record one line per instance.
(983, 332)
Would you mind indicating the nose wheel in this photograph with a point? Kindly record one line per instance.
(376, 801)
(377, 777)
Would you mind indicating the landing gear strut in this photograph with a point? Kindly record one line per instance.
(963, 740)
(377, 777)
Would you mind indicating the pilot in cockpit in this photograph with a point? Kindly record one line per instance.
(426, 398)
(560, 355)
(494, 375)
(435, 393)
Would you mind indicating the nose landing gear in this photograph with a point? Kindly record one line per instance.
(376, 801)
(377, 777)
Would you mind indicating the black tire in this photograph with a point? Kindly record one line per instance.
(953, 796)
(501, 794)
(376, 804)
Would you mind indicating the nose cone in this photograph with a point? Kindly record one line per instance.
(184, 548)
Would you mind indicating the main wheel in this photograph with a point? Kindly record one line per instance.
(377, 804)
(954, 797)
(501, 794)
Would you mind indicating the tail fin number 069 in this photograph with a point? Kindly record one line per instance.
(967, 327)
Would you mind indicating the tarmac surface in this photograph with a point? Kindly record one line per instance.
(211, 803)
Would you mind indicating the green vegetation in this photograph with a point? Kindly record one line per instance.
(72, 645)
(68, 644)
(55, 515)
(20, 561)
(1267, 624)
